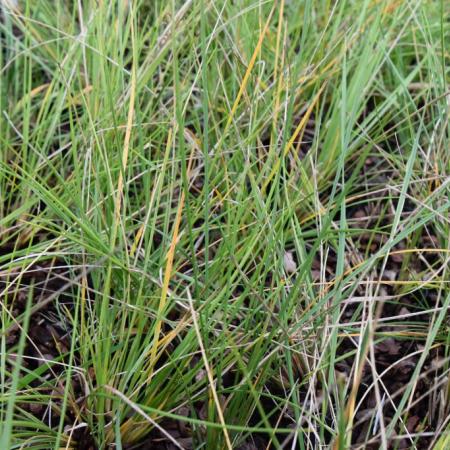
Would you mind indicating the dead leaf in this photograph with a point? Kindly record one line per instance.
(290, 265)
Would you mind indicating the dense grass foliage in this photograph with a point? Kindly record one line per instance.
(218, 217)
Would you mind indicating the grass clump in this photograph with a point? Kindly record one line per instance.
(224, 224)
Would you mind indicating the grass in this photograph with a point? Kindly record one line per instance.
(234, 206)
